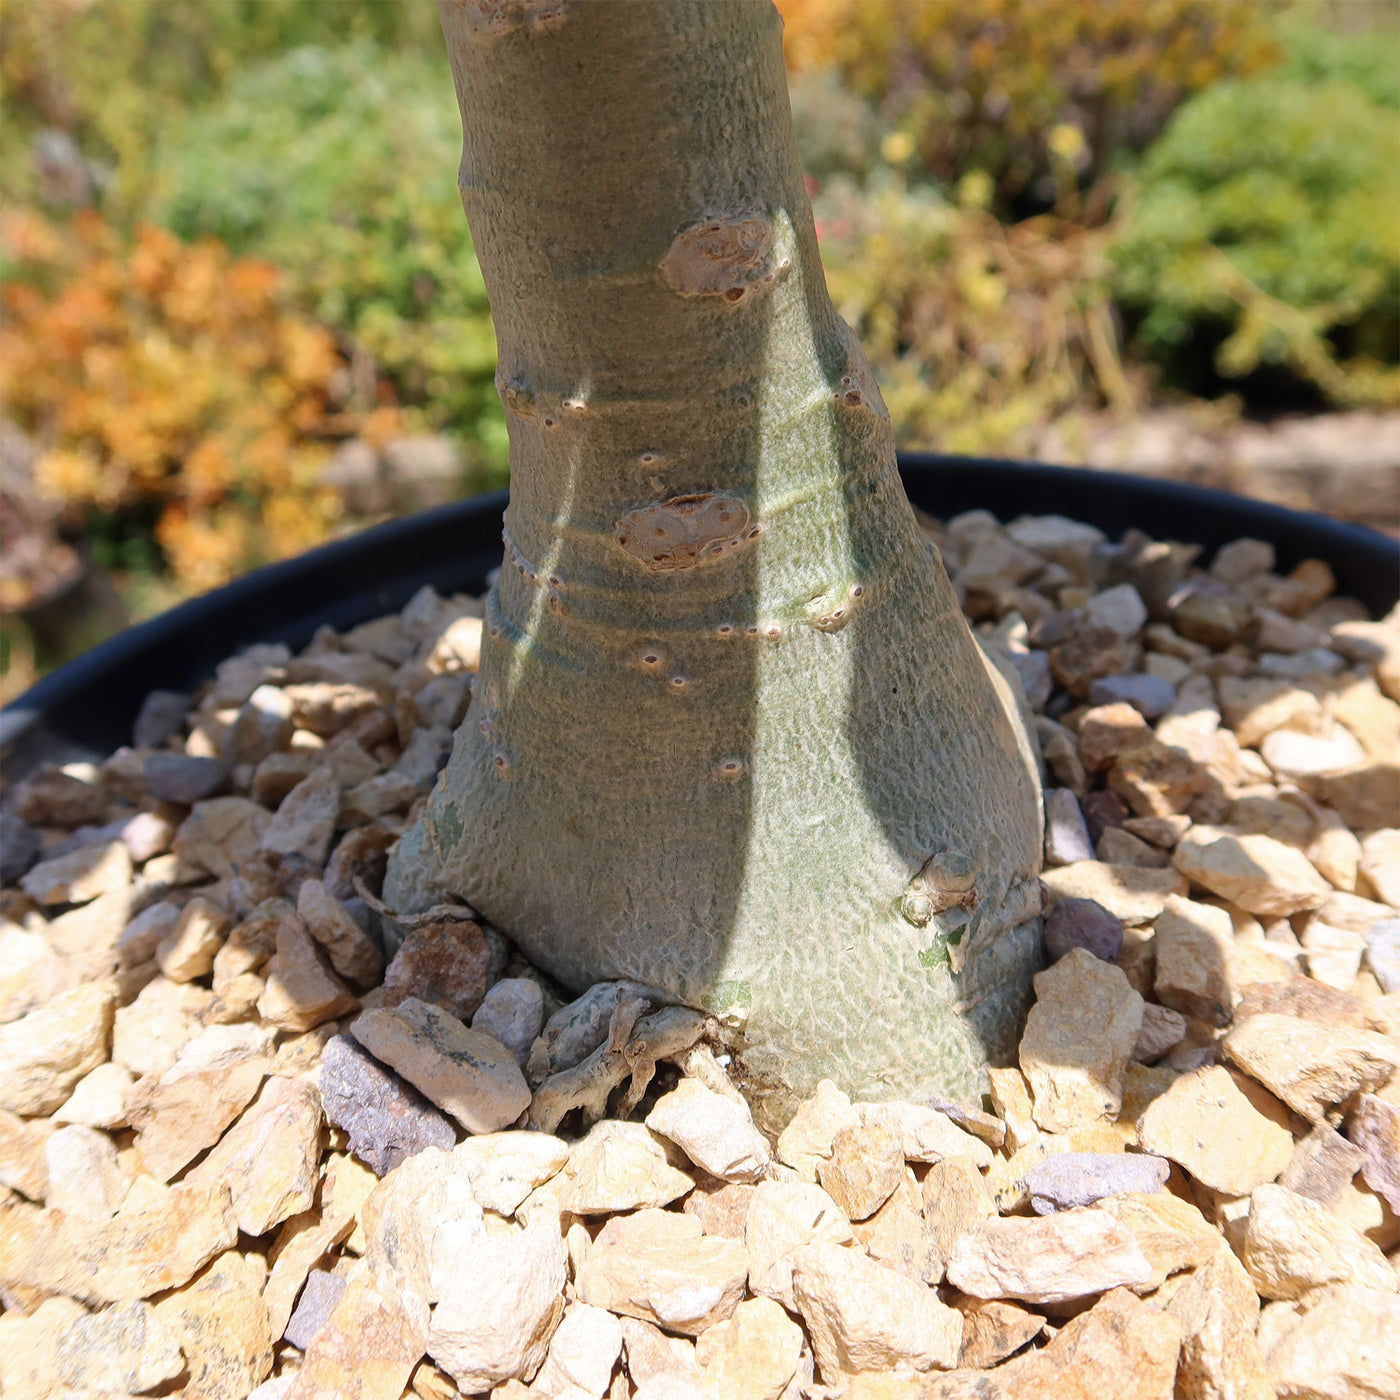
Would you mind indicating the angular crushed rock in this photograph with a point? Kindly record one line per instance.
(1233, 763)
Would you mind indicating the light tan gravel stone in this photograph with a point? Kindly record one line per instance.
(897, 1236)
(500, 1298)
(505, 1167)
(301, 1243)
(1134, 893)
(417, 1219)
(1162, 1029)
(270, 1158)
(126, 1348)
(651, 1354)
(369, 1345)
(301, 992)
(955, 1200)
(305, 819)
(158, 1239)
(471, 1077)
(1205, 1123)
(1259, 874)
(44, 1054)
(656, 1265)
(862, 1317)
(1219, 1314)
(1347, 1344)
(925, 1134)
(807, 1138)
(186, 1109)
(221, 1322)
(103, 867)
(1335, 853)
(1050, 1259)
(785, 1216)
(721, 1207)
(865, 1167)
(220, 834)
(187, 952)
(1121, 1347)
(1255, 707)
(1194, 943)
(716, 1133)
(1334, 954)
(30, 972)
(1380, 863)
(349, 947)
(84, 1180)
(1172, 1234)
(98, 1099)
(1292, 1244)
(1309, 1066)
(1011, 1098)
(992, 1330)
(22, 1166)
(1079, 1037)
(582, 1354)
(619, 1166)
(752, 1355)
(148, 1034)
(29, 1346)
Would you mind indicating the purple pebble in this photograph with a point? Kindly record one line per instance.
(1082, 923)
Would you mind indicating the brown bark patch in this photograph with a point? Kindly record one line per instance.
(683, 531)
(722, 256)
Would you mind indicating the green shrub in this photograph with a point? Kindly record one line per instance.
(113, 74)
(1268, 208)
(339, 165)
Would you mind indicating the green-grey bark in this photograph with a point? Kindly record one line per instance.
(728, 709)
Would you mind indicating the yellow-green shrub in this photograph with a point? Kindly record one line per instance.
(978, 333)
(1022, 88)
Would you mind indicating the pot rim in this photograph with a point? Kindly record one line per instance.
(75, 711)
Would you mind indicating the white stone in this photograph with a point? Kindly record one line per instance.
(499, 1304)
(864, 1317)
(505, 1167)
(582, 1353)
(925, 1134)
(715, 1132)
(1050, 1259)
(98, 1099)
(1120, 609)
(784, 1217)
(619, 1166)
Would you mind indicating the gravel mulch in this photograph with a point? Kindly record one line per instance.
(258, 1140)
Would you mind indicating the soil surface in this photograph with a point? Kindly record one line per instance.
(258, 1137)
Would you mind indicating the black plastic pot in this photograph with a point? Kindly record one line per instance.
(86, 709)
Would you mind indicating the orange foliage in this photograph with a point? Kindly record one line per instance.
(169, 375)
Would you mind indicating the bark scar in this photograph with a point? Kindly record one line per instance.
(684, 531)
(722, 256)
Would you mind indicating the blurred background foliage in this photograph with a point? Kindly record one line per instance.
(237, 279)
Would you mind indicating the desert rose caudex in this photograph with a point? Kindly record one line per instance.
(731, 736)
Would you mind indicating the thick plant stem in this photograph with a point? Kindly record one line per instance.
(731, 736)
